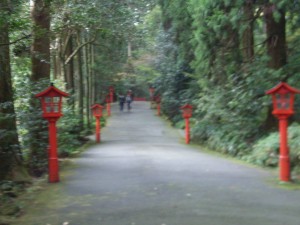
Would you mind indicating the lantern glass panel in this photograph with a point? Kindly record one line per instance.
(56, 101)
(47, 104)
(283, 101)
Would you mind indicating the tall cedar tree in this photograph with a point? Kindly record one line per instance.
(276, 38)
(276, 47)
(40, 59)
(9, 148)
(248, 34)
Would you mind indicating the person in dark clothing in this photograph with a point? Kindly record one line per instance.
(128, 100)
(121, 101)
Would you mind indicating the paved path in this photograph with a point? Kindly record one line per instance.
(143, 174)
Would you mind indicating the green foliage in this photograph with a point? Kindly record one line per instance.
(190, 51)
(68, 133)
(266, 150)
(232, 108)
(173, 53)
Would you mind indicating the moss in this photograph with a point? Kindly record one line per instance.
(293, 185)
(9, 207)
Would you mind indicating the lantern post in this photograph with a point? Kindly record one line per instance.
(108, 98)
(283, 97)
(158, 100)
(187, 114)
(97, 112)
(111, 94)
(51, 100)
(151, 92)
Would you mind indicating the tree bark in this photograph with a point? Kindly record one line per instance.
(40, 51)
(276, 36)
(276, 48)
(10, 157)
(80, 85)
(40, 59)
(93, 79)
(248, 36)
(69, 69)
(87, 84)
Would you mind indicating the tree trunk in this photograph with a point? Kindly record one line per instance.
(80, 86)
(276, 37)
(10, 157)
(40, 51)
(129, 49)
(94, 93)
(40, 59)
(69, 70)
(276, 48)
(57, 70)
(87, 84)
(248, 36)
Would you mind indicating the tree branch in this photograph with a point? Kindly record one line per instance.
(16, 41)
(78, 48)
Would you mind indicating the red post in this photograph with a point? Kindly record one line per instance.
(158, 109)
(98, 129)
(97, 112)
(151, 91)
(51, 100)
(187, 114)
(187, 130)
(111, 94)
(283, 97)
(108, 109)
(284, 158)
(52, 152)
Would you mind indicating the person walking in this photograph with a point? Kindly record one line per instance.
(128, 100)
(121, 101)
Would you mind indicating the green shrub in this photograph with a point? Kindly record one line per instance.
(70, 136)
(266, 150)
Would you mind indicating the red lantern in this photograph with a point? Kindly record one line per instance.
(107, 99)
(283, 97)
(51, 100)
(111, 89)
(187, 111)
(151, 91)
(97, 112)
(157, 99)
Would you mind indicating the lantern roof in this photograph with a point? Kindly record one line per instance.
(186, 106)
(52, 92)
(96, 106)
(282, 88)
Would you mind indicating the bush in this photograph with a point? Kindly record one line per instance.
(69, 133)
(266, 150)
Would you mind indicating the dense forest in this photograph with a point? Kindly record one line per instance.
(220, 56)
